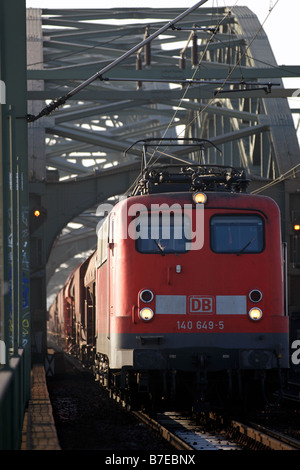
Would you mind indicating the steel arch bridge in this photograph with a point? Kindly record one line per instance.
(254, 128)
(212, 75)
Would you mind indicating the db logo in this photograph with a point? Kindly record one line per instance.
(201, 304)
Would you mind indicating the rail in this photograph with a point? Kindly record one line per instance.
(175, 441)
(266, 437)
(184, 434)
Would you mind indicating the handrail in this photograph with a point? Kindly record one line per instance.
(14, 396)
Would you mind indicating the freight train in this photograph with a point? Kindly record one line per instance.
(184, 295)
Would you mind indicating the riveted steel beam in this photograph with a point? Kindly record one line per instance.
(210, 72)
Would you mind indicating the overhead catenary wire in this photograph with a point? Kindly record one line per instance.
(191, 81)
(288, 174)
(171, 25)
(226, 80)
(60, 101)
(214, 32)
(185, 91)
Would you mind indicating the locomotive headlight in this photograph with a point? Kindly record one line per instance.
(255, 313)
(146, 314)
(199, 198)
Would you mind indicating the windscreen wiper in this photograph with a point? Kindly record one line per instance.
(246, 246)
(161, 249)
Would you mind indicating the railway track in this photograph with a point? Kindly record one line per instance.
(262, 438)
(184, 435)
(182, 432)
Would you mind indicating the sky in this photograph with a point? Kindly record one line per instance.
(280, 19)
(282, 26)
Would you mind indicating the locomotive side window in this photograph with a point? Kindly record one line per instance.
(237, 234)
(102, 233)
(162, 235)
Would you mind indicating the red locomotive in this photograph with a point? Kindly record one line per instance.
(184, 294)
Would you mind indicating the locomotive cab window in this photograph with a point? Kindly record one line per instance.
(237, 234)
(161, 234)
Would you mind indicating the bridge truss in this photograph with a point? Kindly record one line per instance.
(254, 128)
(212, 76)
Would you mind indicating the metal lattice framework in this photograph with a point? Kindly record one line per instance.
(88, 134)
(92, 130)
